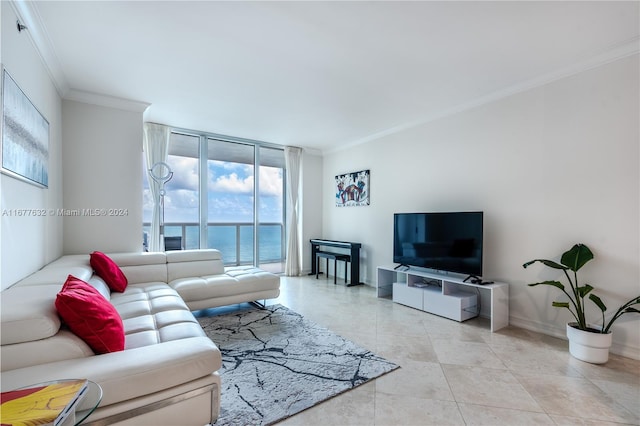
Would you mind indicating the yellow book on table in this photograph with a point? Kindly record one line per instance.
(48, 404)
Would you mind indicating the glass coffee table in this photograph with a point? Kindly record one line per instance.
(85, 407)
(89, 403)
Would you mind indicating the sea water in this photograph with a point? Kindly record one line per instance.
(225, 239)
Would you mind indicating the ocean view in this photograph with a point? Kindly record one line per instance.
(223, 238)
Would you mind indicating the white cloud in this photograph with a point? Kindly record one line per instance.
(234, 208)
(181, 205)
(232, 183)
(270, 181)
(234, 166)
(185, 173)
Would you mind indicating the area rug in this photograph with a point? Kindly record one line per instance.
(276, 363)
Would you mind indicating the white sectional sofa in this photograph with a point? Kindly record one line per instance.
(167, 372)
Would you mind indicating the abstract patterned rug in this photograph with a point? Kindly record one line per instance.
(275, 363)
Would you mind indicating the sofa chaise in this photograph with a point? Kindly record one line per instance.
(168, 370)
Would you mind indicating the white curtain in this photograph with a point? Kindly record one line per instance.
(156, 149)
(292, 157)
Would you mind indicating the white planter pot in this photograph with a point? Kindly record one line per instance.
(588, 346)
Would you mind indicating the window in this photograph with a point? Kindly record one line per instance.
(215, 199)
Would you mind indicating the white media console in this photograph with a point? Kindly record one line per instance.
(444, 295)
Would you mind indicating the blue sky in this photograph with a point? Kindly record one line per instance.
(230, 189)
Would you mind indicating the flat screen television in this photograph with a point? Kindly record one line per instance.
(450, 241)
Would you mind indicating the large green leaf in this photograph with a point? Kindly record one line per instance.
(557, 284)
(584, 290)
(549, 263)
(576, 257)
(595, 299)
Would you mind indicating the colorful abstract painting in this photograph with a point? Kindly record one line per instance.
(352, 189)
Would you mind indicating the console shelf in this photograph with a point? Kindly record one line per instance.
(446, 296)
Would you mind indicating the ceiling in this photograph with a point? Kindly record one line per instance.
(322, 75)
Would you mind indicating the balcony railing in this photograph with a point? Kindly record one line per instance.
(234, 240)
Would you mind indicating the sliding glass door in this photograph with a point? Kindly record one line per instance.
(216, 199)
(231, 210)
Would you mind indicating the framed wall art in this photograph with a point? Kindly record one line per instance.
(25, 136)
(352, 189)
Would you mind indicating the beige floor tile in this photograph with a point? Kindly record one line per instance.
(617, 369)
(533, 360)
(398, 347)
(355, 407)
(480, 415)
(491, 387)
(417, 379)
(575, 397)
(473, 354)
(519, 337)
(397, 410)
(625, 394)
(401, 320)
(472, 330)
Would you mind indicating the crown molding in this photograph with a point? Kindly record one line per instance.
(614, 53)
(28, 14)
(106, 101)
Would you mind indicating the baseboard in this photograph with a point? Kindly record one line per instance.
(628, 351)
(538, 327)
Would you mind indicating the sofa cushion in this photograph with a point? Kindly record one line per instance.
(57, 274)
(236, 280)
(28, 313)
(142, 267)
(100, 285)
(154, 313)
(109, 271)
(90, 316)
(246, 274)
(193, 255)
(63, 345)
(193, 263)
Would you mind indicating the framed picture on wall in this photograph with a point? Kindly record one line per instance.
(25, 136)
(352, 189)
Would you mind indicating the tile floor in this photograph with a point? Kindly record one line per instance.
(459, 373)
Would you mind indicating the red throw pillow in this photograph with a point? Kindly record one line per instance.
(90, 316)
(108, 271)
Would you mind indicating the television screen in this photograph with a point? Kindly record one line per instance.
(443, 241)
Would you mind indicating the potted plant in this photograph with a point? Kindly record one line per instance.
(587, 342)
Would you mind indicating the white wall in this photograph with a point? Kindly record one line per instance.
(550, 167)
(102, 171)
(28, 242)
